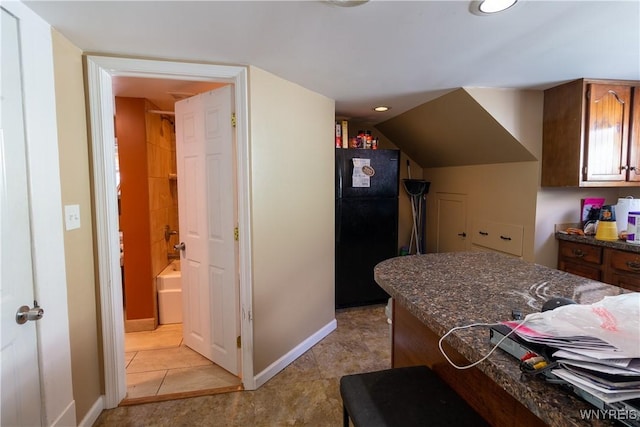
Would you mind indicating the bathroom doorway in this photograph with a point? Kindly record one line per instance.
(158, 363)
(100, 73)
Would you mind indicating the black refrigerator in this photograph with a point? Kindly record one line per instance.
(366, 222)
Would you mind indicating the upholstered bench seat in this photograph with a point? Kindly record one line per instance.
(404, 397)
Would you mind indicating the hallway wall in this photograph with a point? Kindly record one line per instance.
(292, 205)
(75, 185)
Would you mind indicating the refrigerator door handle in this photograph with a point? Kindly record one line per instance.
(338, 220)
(339, 178)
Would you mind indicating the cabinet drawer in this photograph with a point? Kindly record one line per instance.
(626, 281)
(590, 271)
(580, 252)
(625, 261)
(498, 236)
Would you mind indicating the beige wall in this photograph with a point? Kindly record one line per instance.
(561, 206)
(78, 244)
(292, 208)
(504, 193)
(518, 111)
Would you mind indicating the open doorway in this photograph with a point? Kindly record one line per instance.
(101, 71)
(160, 364)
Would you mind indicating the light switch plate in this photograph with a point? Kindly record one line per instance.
(72, 217)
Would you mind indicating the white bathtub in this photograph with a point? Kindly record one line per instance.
(169, 284)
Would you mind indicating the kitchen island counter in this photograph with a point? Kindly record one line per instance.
(436, 292)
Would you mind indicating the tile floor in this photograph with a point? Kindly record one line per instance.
(160, 367)
(304, 393)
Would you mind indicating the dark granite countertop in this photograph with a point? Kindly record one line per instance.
(590, 240)
(454, 289)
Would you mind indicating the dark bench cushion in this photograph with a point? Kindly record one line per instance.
(413, 396)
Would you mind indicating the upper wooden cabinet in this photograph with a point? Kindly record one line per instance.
(591, 134)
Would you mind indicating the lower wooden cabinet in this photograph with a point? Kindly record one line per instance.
(613, 266)
(623, 269)
(583, 270)
(580, 259)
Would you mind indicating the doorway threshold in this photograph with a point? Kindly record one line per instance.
(181, 395)
(160, 367)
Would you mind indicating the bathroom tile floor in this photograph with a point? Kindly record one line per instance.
(160, 367)
(305, 393)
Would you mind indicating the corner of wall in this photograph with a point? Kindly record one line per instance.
(518, 111)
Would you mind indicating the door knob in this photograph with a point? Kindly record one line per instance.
(25, 313)
(179, 247)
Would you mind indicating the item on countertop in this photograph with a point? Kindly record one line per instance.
(590, 208)
(590, 228)
(624, 206)
(607, 213)
(633, 227)
(607, 230)
(576, 231)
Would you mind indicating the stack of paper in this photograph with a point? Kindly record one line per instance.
(597, 346)
(611, 380)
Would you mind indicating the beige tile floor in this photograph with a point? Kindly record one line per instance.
(160, 367)
(304, 393)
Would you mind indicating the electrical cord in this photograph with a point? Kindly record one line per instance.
(485, 357)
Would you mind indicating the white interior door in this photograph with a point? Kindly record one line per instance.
(207, 218)
(20, 387)
(451, 211)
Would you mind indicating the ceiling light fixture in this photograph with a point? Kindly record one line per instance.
(346, 3)
(381, 108)
(488, 7)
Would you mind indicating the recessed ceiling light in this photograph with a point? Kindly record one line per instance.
(381, 108)
(488, 7)
(347, 3)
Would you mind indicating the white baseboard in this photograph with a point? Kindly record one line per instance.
(93, 413)
(67, 418)
(297, 351)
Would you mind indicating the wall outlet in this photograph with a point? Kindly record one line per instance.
(72, 217)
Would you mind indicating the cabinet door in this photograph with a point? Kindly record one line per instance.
(451, 217)
(607, 119)
(634, 137)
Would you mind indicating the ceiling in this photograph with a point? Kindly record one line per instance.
(396, 53)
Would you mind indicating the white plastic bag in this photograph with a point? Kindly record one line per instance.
(614, 319)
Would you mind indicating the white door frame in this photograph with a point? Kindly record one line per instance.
(100, 70)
